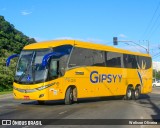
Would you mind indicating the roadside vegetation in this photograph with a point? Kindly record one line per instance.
(11, 41)
(156, 74)
(6, 92)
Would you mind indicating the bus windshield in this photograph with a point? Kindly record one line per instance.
(29, 68)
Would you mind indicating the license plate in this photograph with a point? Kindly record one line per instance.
(26, 98)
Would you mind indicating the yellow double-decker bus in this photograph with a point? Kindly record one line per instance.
(71, 69)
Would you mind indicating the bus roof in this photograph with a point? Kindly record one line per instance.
(54, 43)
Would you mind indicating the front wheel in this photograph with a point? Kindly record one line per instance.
(69, 96)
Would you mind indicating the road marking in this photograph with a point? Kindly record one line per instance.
(62, 112)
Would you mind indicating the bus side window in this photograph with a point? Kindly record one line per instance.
(53, 69)
(130, 61)
(81, 57)
(63, 65)
(114, 59)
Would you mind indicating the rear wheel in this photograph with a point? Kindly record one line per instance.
(136, 93)
(129, 93)
(69, 96)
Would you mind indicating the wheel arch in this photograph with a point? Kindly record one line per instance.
(130, 86)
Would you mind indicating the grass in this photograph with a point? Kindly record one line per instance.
(5, 92)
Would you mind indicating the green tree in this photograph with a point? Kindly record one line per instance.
(11, 41)
(156, 74)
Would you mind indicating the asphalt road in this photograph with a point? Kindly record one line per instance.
(147, 107)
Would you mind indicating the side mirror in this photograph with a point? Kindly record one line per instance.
(9, 59)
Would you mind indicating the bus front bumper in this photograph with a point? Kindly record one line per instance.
(37, 95)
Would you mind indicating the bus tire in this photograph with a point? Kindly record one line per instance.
(41, 102)
(136, 93)
(129, 93)
(69, 96)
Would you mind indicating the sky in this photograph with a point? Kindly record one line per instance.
(98, 21)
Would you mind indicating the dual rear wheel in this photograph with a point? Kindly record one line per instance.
(132, 93)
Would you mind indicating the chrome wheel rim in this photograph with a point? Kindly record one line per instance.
(129, 93)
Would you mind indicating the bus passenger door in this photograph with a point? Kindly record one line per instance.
(55, 80)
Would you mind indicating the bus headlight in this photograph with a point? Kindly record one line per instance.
(44, 87)
(33, 90)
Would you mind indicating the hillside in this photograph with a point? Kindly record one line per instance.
(11, 41)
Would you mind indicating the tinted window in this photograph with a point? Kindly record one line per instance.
(89, 57)
(63, 48)
(113, 59)
(130, 61)
(64, 59)
(98, 59)
(86, 57)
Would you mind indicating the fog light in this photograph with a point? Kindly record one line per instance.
(41, 95)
